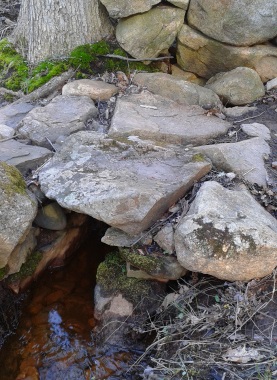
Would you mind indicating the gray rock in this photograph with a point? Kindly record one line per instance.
(6, 132)
(206, 57)
(236, 22)
(63, 116)
(154, 117)
(245, 158)
(271, 84)
(256, 130)
(125, 8)
(92, 175)
(165, 238)
(118, 238)
(17, 211)
(12, 114)
(227, 234)
(237, 87)
(143, 38)
(51, 217)
(95, 89)
(24, 157)
(22, 251)
(180, 3)
(238, 111)
(179, 90)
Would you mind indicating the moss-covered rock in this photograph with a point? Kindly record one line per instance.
(146, 263)
(14, 183)
(111, 276)
(28, 268)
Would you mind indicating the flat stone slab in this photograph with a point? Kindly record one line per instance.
(245, 158)
(151, 116)
(12, 114)
(23, 156)
(256, 130)
(61, 117)
(128, 186)
(227, 234)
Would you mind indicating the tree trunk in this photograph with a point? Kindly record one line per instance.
(52, 28)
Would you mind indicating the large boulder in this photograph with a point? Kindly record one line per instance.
(125, 8)
(227, 234)
(63, 116)
(237, 87)
(146, 35)
(17, 211)
(245, 158)
(179, 90)
(126, 186)
(206, 57)
(162, 120)
(235, 22)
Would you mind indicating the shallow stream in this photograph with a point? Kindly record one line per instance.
(54, 339)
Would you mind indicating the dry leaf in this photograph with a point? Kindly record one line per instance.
(242, 355)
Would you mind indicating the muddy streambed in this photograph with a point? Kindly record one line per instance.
(54, 338)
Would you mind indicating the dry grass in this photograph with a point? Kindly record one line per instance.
(210, 329)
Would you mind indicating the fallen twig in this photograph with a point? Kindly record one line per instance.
(9, 138)
(247, 118)
(134, 59)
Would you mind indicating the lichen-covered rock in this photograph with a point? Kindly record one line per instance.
(206, 57)
(128, 186)
(95, 89)
(178, 90)
(61, 117)
(245, 158)
(227, 234)
(235, 22)
(17, 211)
(146, 35)
(237, 87)
(125, 8)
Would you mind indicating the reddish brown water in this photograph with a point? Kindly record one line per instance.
(54, 337)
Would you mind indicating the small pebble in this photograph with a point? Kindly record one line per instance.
(274, 165)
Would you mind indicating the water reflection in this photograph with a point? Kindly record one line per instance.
(54, 338)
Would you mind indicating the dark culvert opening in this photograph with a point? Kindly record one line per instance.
(50, 326)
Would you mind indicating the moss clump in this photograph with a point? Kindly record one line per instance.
(147, 263)
(16, 74)
(87, 58)
(111, 276)
(3, 272)
(198, 157)
(13, 68)
(28, 268)
(14, 182)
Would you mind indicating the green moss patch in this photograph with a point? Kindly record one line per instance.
(28, 268)
(3, 272)
(14, 182)
(147, 263)
(111, 276)
(16, 74)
